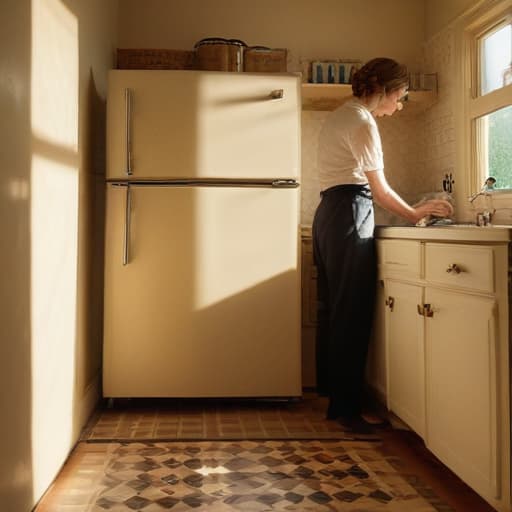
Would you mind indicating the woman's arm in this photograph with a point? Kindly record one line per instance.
(388, 199)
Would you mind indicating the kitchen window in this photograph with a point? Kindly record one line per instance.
(488, 109)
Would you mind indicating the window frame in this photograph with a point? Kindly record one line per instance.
(491, 16)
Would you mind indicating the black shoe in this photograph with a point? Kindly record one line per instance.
(333, 412)
(375, 420)
(356, 424)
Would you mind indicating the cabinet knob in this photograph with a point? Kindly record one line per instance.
(425, 310)
(390, 302)
(453, 267)
(429, 312)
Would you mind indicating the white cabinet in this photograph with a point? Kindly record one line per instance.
(405, 354)
(447, 354)
(462, 386)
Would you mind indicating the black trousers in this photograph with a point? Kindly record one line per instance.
(345, 257)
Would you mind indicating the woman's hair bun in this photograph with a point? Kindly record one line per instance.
(379, 75)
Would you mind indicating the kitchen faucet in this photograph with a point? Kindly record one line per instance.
(474, 196)
(487, 187)
(484, 218)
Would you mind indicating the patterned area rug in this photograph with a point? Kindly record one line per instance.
(309, 475)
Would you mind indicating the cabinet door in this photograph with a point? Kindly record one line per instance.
(461, 379)
(405, 354)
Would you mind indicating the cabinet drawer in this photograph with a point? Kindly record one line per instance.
(399, 258)
(462, 266)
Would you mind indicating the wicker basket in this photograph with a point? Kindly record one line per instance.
(218, 54)
(155, 59)
(265, 60)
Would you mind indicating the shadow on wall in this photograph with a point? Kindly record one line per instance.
(91, 236)
(16, 482)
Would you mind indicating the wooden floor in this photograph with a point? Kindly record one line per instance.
(309, 414)
(411, 450)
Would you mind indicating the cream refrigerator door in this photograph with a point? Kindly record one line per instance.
(196, 124)
(208, 302)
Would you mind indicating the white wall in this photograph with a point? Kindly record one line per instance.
(54, 55)
(439, 13)
(360, 29)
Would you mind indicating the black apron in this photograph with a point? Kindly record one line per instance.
(345, 257)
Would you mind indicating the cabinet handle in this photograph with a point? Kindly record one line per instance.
(127, 221)
(390, 302)
(453, 267)
(429, 312)
(425, 310)
(128, 123)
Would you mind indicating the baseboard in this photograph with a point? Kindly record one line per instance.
(88, 402)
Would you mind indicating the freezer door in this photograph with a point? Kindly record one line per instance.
(198, 124)
(206, 301)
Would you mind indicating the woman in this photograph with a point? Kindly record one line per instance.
(351, 172)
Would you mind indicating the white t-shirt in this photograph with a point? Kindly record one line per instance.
(349, 145)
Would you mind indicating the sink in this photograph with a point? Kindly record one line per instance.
(470, 225)
(452, 225)
(457, 225)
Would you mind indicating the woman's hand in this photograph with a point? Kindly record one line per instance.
(387, 198)
(436, 207)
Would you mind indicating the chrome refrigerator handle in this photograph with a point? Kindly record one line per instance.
(128, 123)
(127, 218)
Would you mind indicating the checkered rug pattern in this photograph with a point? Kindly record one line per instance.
(301, 475)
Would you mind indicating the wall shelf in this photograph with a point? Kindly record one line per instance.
(330, 96)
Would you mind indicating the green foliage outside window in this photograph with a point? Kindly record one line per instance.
(500, 147)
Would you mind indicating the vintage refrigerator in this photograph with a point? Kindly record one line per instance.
(202, 278)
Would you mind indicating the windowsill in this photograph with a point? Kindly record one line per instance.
(501, 198)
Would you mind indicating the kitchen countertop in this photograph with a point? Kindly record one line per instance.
(455, 233)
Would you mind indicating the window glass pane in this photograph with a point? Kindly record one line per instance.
(496, 59)
(496, 129)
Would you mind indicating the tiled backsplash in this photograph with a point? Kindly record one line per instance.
(418, 142)
(402, 142)
(439, 121)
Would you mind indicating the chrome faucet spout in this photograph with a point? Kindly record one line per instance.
(486, 190)
(474, 196)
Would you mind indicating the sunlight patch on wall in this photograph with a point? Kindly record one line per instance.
(54, 73)
(54, 219)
